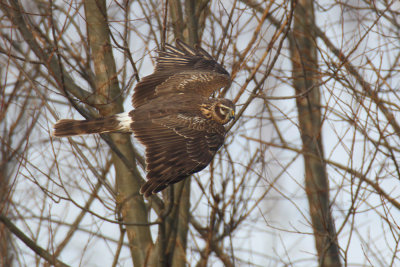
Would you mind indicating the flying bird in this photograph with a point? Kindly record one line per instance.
(180, 125)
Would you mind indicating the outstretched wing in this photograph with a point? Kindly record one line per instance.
(181, 69)
(176, 147)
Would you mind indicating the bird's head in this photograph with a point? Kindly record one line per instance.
(220, 109)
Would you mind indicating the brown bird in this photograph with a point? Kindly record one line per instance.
(175, 119)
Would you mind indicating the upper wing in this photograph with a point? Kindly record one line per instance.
(181, 69)
(176, 147)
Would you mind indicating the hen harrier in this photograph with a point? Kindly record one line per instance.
(175, 119)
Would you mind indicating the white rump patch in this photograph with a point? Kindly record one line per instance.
(124, 121)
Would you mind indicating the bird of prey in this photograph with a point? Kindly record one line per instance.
(174, 116)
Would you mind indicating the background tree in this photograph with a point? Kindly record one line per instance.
(309, 171)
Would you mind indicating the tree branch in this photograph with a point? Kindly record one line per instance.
(30, 243)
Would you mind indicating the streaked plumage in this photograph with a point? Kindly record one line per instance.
(175, 119)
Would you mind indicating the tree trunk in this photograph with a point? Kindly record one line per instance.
(6, 252)
(175, 224)
(305, 81)
(130, 202)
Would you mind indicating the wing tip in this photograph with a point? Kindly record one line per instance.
(150, 188)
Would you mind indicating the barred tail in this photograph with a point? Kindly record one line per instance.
(115, 123)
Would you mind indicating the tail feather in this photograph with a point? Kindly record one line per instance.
(116, 123)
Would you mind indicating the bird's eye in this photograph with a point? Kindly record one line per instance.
(223, 110)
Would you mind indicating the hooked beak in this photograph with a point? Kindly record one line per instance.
(232, 115)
